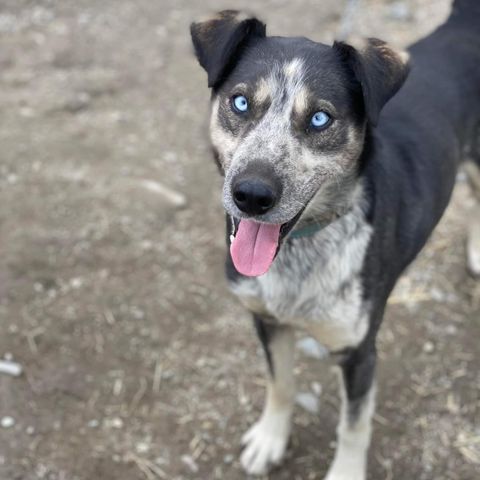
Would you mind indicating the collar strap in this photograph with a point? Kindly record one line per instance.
(308, 230)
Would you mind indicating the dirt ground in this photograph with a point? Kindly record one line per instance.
(137, 363)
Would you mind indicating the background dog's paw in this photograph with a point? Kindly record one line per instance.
(473, 248)
(264, 446)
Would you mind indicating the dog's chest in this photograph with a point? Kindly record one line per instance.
(315, 284)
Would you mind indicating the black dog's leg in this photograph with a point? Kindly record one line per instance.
(266, 441)
(473, 242)
(358, 404)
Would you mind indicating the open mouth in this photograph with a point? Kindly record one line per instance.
(254, 245)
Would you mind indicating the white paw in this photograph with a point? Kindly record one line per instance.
(347, 470)
(265, 443)
(341, 476)
(344, 476)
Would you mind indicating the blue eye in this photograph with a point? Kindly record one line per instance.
(240, 103)
(320, 120)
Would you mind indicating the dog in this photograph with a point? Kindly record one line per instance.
(338, 162)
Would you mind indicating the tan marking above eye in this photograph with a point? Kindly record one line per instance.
(262, 91)
(300, 104)
(305, 102)
(239, 89)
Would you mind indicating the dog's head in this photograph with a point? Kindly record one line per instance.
(288, 124)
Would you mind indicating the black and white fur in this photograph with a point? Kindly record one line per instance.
(380, 183)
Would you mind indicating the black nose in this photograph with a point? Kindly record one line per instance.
(253, 196)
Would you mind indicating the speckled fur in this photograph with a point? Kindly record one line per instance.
(302, 169)
(315, 282)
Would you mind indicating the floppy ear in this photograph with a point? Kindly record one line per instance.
(219, 40)
(380, 70)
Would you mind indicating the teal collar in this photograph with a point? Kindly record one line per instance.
(308, 230)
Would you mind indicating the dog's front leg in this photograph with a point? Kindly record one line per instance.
(358, 403)
(266, 441)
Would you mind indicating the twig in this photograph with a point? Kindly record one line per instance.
(157, 377)
(10, 368)
(31, 335)
(148, 468)
(139, 395)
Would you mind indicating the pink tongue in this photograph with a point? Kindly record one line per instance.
(254, 246)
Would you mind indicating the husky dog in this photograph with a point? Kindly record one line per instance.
(338, 162)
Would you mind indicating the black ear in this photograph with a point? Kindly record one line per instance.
(380, 70)
(219, 40)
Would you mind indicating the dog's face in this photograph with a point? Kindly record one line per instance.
(287, 125)
(290, 121)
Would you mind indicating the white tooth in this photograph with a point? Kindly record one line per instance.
(232, 235)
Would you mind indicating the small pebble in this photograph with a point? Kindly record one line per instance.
(311, 348)
(437, 294)
(316, 388)
(137, 313)
(142, 447)
(428, 347)
(308, 401)
(93, 423)
(451, 329)
(190, 463)
(116, 422)
(7, 422)
(27, 112)
(76, 282)
(12, 178)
